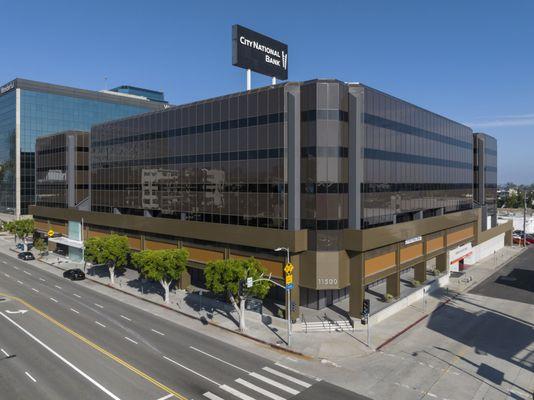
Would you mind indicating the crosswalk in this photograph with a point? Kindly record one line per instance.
(276, 382)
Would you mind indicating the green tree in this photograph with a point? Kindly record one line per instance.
(112, 250)
(224, 276)
(163, 266)
(21, 228)
(40, 245)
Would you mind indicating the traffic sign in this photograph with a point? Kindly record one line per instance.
(50, 233)
(290, 286)
(288, 269)
(249, 282)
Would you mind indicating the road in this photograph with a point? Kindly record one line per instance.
(72, 342)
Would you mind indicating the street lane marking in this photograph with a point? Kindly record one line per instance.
(431, 394)
(236, 393)
(7, 276)
(97, 348)
(3, 351)
(126, 318)
(212, 396)
(259, 389)
(218, 359)
(98, 385)
(54, 300)
(17, 268)
(287, 377)
(29, 376)
(274, 383)
(73, 310)
(296, 371)
(77, 295)
(3, 262)
(166, 397)
(159, 333)
(98, 323)
(59, 287)
(127, 338)
(27, 273)
(42, 280)
(20, 282)
(35, 290)
(98, 305)
(190, 370)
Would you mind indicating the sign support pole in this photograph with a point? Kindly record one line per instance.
(249, 79)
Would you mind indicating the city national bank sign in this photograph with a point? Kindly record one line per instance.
(259, 53)
(7, 87)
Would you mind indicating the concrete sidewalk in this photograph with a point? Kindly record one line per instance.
(331, 347)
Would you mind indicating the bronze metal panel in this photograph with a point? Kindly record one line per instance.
(265, 238)
(435, 244)
(458, 236)
(203, 255)
(57, 228)
(366, 239)
(376, 264)
(134, 242)
(380, 275)
(41, 225)
(273, 267)
(411, 252)
(153, 245)
(325, 270)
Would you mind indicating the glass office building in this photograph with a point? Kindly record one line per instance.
(360, 186)
(31, 109)
(485, 177)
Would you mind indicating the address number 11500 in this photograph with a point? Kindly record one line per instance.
(327, 281)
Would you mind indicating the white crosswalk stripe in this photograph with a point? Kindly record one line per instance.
(259, 389)
(287, 377)
(256, 385)
(274, 383)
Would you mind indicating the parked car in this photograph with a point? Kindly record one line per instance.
(20, 246)
(75, 274)
(26, 256)
(518, 239)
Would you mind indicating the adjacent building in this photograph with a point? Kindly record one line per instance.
(30, 109)
(359, 185)
(485, 177)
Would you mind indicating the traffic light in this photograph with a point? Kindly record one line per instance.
(366, 309)
(293, 306)
(242, 288)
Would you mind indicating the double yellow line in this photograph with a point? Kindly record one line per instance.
(98, 348)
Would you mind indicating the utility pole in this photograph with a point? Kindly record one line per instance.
(288, 298)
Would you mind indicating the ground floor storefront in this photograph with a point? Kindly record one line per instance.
(382, 257)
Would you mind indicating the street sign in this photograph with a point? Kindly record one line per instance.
(289, 279)
(288, 269)
(249, 282)
(50, 233)
(290, 286)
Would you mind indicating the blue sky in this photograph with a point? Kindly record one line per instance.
(472, 61)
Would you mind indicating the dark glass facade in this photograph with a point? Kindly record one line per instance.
(485, 177)
(220, 161)
(62, 169)
(46, 109)
(416, 163)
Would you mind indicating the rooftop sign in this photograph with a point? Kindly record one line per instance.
(259, 53)
(7, 87)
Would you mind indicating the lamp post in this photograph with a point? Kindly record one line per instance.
(288, 297)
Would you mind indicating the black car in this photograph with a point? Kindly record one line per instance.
(75, 274)
(26, 256)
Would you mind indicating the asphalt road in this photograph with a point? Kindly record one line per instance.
(73, 342)
(515, 281)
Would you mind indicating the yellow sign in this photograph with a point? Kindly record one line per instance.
(288, 269)
(289, 279)
(50, 233)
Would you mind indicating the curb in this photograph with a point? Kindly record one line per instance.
(442, 303)
(264, 342)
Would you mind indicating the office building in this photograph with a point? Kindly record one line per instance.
(30, 109)
(485, 177)
(359, 185)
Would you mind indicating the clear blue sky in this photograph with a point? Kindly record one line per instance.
(472, 61)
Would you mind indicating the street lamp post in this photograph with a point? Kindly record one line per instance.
(288, 297)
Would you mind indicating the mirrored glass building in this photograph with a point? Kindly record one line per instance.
(30, 109)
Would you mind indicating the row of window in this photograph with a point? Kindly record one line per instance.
(62, 167)
(55, 150)
(414, 159)
(399, 127)
(410, 187)
(329, 115)
(196, 158)
(320, 151)
(197, 187)
(191, 130)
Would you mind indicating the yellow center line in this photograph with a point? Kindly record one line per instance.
(98, 348)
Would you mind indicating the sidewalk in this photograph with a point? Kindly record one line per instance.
(331, 347)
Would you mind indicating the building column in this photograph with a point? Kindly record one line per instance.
(185, 280)
(357, 288)
(356, 137)
(441, 262)
(393, 284)
(295, 292)
(420, 272)
(293, 156)
(508, 241)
